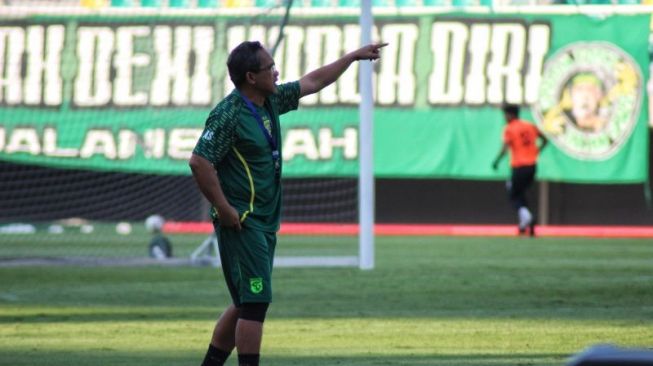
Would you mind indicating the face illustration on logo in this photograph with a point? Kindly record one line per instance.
(586, 93)
(589, 99)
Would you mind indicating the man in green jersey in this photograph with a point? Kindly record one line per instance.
(237, 166)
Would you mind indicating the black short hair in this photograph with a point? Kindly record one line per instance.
(243, 59)
(511, 109)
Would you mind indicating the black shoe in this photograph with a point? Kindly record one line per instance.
(531, 227)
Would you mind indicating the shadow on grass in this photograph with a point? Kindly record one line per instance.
(112, 357)
(173, 314)
(84, 317)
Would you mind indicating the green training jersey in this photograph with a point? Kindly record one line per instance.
(235, 144)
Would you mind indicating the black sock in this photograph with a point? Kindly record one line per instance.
(248, 360)
(215, 356)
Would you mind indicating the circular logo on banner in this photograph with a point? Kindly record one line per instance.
(589, 99)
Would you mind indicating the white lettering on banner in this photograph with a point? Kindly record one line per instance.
(348, 143)
(479, 47)
(289, 53)
(157, 143)
(181, 67)
(154, 144)
(127, 62)
(43, 82)
(326, 47)
(507, 48)
(99, 142)
(474, 62)
(303, 142)
(23, 140)
(169, 67)
(300, 141)
(448, 41)
(201, 81)
(538, 46)
(348, 81)
(173, 79)
(41, 46)
(12, 45)
(92, 83)
(182, 141)
(486, 63)
(127, 142)
(396, 78)
(51, 148)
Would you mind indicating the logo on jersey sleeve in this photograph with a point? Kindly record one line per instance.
(208, 135)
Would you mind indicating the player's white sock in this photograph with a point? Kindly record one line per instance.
(525, 217)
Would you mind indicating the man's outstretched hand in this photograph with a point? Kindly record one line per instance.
(369, 52)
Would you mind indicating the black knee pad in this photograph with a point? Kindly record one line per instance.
(254, 311)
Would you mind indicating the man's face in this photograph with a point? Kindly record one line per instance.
(266, 77)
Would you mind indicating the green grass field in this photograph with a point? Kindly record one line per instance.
(430, 301)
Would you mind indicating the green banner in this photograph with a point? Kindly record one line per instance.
(131, 93)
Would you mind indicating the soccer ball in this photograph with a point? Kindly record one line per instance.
(154, 223)
(124, 228)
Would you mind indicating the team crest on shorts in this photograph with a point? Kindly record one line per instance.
(256, 285)
(589, 99)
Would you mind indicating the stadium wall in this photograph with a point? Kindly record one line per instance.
(43, 194)
(484, 202)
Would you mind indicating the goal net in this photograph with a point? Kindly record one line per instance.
(101, 111)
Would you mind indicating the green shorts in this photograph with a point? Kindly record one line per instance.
(247, 257)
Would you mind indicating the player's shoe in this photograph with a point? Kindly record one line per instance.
(531, 227)
(526, 221)
(522, 229)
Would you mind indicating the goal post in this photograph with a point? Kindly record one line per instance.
(366, 148)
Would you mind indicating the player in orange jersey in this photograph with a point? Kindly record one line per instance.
(521, 138)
